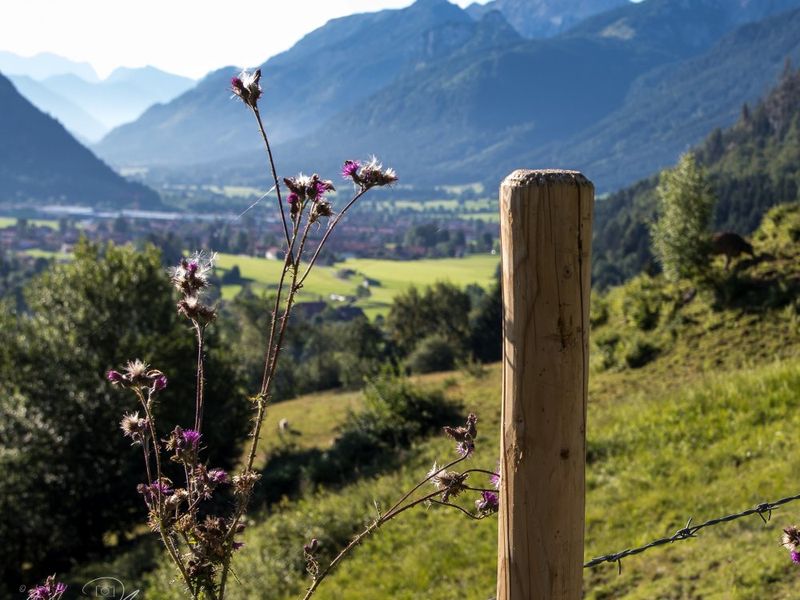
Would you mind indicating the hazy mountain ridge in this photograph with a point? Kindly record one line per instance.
(44, 64)
(41, 162)
(88, 106)
(544, 18)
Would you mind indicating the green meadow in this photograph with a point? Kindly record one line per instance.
(391, 276)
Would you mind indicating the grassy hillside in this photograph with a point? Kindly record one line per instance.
(699, 425)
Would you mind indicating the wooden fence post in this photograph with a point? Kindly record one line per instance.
(546, 231)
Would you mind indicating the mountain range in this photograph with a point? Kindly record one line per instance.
(88, 106)
(40, 162)
(446, 98)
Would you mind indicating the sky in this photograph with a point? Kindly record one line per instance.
(186, 37)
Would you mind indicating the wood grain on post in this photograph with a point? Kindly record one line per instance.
(546, 231)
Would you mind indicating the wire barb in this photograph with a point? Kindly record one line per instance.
(763, 510)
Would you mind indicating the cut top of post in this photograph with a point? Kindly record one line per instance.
(526, 177)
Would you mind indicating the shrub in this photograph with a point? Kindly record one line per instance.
(434, 353)
(639, 352)
(685, 208)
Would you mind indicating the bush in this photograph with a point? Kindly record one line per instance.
(434, 353)
(685, 207)
(639, 352)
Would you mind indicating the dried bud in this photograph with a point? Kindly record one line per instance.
(152, 492)
(159, 383)
(464, 435)
(311, 547)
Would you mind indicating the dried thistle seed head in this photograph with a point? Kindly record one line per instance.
(136, 372)
(791, 538)
(179, 496)
(372, 174)
(304, 188)
(247, 87)
(191, 276)
(243, 482)
(321, 208)
(185, 523)
(193, 309)
(134, 427)
(450, 483)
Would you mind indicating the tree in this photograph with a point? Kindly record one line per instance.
(685, 207)
(441, 309)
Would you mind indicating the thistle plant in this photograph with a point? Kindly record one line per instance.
(201, 536)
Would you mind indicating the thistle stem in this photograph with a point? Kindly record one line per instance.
(274, 172)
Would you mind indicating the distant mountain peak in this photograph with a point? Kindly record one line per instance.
(544, 18)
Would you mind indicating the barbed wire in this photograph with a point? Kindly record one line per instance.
(763, 510)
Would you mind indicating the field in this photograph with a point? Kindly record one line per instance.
(392, 276)
(10, 221)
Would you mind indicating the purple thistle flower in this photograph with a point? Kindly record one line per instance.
(159, 383)
(796, 557)
(319, 190)
(292, 198)
(161, 488)
(465, 448)
(350, 169)
(217, 476)
(115, 377)
(192, 266)
(191, 438)
(495, 478)
(488, 503)
(237, 545)
(49, 590)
